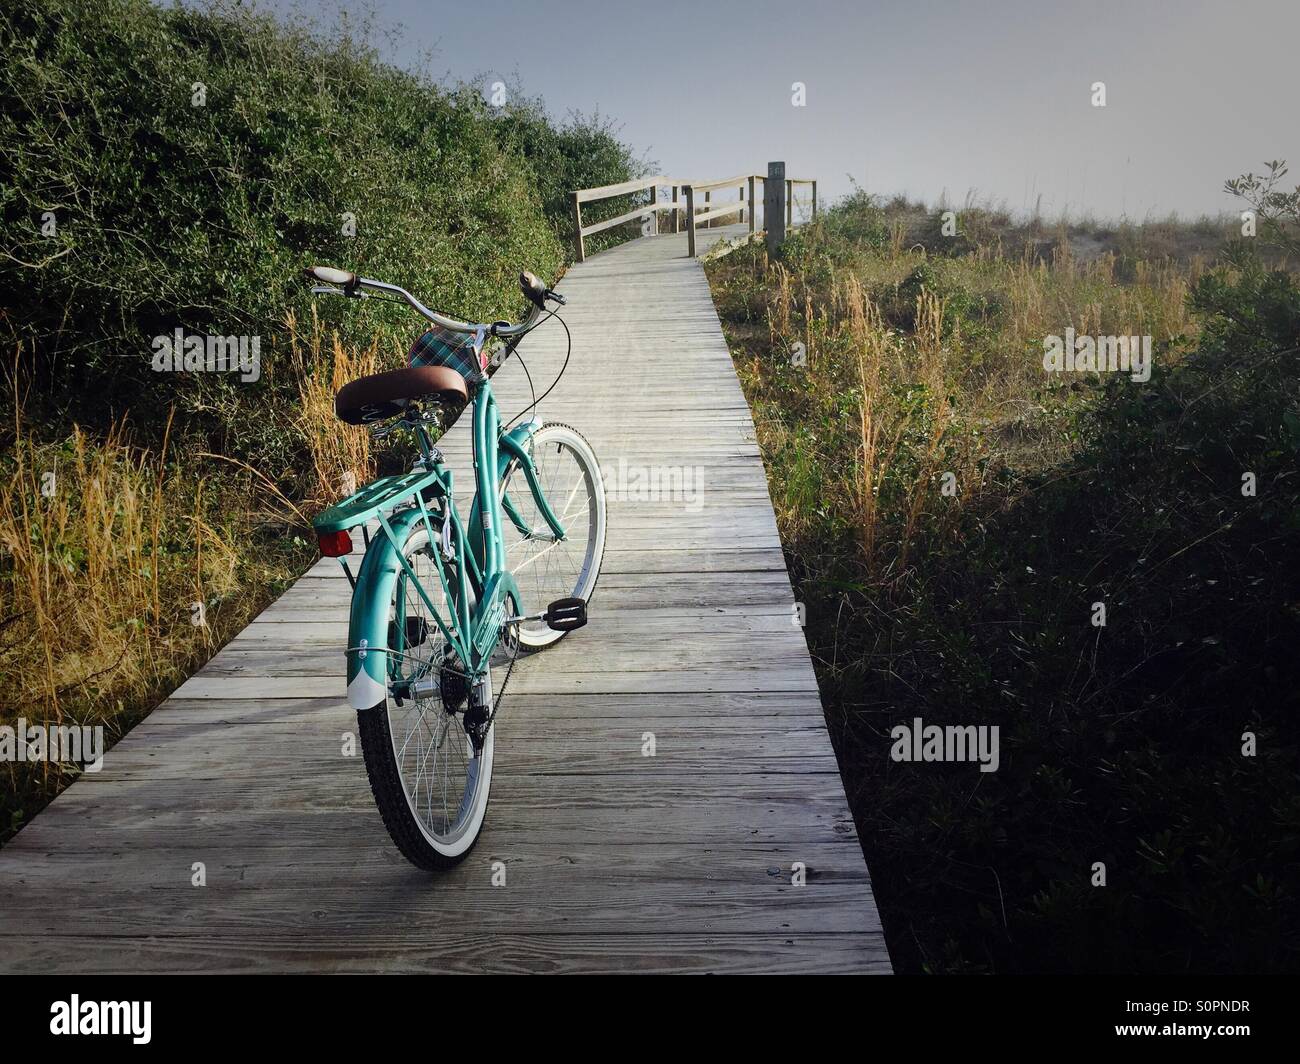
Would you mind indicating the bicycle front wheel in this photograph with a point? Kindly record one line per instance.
(544, 568)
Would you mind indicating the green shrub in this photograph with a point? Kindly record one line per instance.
(583, 152)
(171, 214)
(858, 219)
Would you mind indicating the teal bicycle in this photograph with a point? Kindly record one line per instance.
(438, 600)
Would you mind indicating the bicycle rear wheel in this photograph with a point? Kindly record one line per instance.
(429, 780)
(546, 569)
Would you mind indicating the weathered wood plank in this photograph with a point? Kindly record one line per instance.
(453, 951)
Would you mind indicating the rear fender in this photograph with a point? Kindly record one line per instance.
(368, 622)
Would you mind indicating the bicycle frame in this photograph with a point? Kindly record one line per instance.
(474, 628)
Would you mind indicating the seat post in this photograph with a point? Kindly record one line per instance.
(426, 444)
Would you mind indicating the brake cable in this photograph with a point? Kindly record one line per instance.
(568, 352)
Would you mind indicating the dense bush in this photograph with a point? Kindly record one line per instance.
(1125, 743)
(582, 152)
(198, 211)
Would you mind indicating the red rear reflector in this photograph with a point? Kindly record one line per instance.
(335, 544)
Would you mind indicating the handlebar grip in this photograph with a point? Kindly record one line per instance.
(533, 289)
(330, 275)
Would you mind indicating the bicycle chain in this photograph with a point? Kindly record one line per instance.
(496, 699)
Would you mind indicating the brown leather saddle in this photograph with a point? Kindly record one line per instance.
(381, 396)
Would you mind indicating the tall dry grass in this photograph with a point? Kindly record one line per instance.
(341, 459)
(104, 551)
(122, 569)
(870, 341)
(111, 555)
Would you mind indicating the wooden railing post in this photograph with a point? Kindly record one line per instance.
(814, 205)
(789, 204)
(753, 207)
(654, 215)
(677, 218)
(690, 221)
(774, 208)
(577, 226)
(740, 195)
(708, 195)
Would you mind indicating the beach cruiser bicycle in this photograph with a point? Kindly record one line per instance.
(439, 600)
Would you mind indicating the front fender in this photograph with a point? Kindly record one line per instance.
(368, 622)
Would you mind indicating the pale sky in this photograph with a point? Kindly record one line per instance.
(924, 97)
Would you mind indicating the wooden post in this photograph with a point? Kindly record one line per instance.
(654, 198)
(676, 214)
(814, 215)
(774, 189)
(753, 207)
(740, 195)
(789, 204)
(690, 221)
(708, 195)
(577, 227)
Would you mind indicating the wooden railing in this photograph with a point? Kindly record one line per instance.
(691, 209)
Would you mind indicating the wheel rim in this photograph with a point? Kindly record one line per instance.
(543, 569)
(445, 780)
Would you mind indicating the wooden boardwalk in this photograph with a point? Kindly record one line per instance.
(614, 861)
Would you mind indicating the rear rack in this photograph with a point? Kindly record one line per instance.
(383, 494)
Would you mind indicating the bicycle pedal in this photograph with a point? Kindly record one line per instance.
(566, 614)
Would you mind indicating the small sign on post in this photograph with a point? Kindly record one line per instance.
(774, 208)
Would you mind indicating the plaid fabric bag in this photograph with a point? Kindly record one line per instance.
(466, 353)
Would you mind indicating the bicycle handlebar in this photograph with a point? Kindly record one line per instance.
(345, 283)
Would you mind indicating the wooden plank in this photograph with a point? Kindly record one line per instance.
(623, 188)
(454, 952)
(637, 213)
(751, 864)
(705, 186)
(326, 909)
(743, 706)
(722, 212)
